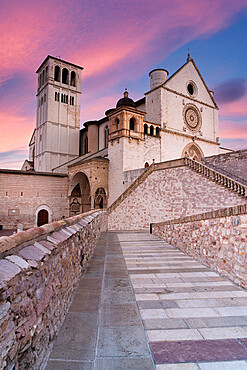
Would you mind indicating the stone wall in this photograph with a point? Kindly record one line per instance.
(167, 194)
(218, 239)
(231, 164)
(39, 271)
(23, 193)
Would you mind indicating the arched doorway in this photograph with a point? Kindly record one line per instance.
(42, 217)
(100, 199)
(80, 200)
(193, 151)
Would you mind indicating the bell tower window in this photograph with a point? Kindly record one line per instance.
(57, 74)
(72, 79)
(65, 76)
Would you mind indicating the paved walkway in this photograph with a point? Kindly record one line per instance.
(193, 318)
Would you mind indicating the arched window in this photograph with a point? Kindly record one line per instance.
(57, 74)
(151, 130)
(157, 131)
(42, 78)
(72, 78)
(106, 136)
(86, 145)
(117, 123)
(62, 98)
(46, 73)
(146, 165)
(132, 124)
(145, 128)
(65, 75)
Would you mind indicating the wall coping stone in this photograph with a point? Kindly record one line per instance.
(10, 244)
(218, 213)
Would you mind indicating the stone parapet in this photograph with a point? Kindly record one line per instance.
(39, 271)
(218, 239)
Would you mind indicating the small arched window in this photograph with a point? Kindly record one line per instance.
(57, 74)
(117, 123)
(42, 78)
(46, 73)
(106, 136)
(145, 128)
(151, 130)
(146, 165)
(157, 131)
(132, 124)
(72, 79)
(65, 76)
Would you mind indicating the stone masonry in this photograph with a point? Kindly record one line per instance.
(218, 239)
(22, 192)
(39, 271)
(167, 194)
(231, 164)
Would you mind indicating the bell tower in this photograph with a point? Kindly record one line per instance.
(58, 113)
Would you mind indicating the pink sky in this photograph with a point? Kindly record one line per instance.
(115, 41)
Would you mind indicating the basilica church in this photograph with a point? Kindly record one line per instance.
(80, 169)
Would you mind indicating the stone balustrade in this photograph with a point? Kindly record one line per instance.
(218, 239)
(39, 271)
(217, 177)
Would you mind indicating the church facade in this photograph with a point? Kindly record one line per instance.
(177, 117)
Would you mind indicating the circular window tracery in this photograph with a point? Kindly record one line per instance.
(192, 117)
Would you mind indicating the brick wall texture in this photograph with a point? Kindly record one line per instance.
(218, 242)
(168, 194)
(232, 164)
(39, 272)
(26, 192)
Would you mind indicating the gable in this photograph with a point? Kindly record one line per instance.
(190, 75)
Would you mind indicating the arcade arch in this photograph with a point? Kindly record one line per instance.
(80, 196)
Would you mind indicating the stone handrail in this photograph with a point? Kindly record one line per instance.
(216, 176)
(153, 167)
(225, 173)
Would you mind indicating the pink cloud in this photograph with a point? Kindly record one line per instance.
(94, 111)
(233, 130)
(235, 109)
(15, 132)
(118, 40)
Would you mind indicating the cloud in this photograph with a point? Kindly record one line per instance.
(235, 109)
(16, 130)
(115, 41)
(231, 90)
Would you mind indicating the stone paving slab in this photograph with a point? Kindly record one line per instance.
(194, 318)
(103, 329)
(137, 287)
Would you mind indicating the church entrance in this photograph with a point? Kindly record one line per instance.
(42, 217)
(80, 199)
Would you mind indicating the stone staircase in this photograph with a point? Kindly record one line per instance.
(212, 174)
